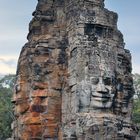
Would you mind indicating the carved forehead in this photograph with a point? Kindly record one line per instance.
(103, 61)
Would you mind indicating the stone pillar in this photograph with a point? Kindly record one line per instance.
(97, 104)
(74, 78)
(41, 73)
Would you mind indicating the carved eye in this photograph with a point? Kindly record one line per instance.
(107, 81)
(95, 81)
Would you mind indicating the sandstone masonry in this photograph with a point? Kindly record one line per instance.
(74, 78)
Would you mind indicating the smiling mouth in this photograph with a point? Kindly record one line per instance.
(101, 97)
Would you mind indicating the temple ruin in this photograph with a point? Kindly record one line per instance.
(74, 78)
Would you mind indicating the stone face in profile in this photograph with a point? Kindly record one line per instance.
(74, 76)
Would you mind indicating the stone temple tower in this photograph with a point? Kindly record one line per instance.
(74, 78)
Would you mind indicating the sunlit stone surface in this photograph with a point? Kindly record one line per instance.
(74, 77)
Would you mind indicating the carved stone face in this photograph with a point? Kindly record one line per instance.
(128, 92)
(102, 92)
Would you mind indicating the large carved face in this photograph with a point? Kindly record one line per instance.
(103, 81)
(124, 88)
(125, 93)
(102, 92)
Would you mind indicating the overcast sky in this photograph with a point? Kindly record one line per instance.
(15, 16)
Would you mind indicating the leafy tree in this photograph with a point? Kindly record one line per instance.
(6, 114)
(136, 78)
(136, 110)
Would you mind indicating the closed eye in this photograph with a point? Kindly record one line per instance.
(95, 81)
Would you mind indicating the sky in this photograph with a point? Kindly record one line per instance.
(15, 16)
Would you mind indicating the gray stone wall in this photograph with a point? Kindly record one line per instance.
(74, 78)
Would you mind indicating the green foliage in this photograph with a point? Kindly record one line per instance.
(136, 110)
(136, 78)
(6, 115)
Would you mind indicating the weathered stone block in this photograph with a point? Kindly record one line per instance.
(74, 78)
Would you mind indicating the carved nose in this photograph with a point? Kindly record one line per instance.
(101, 88)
